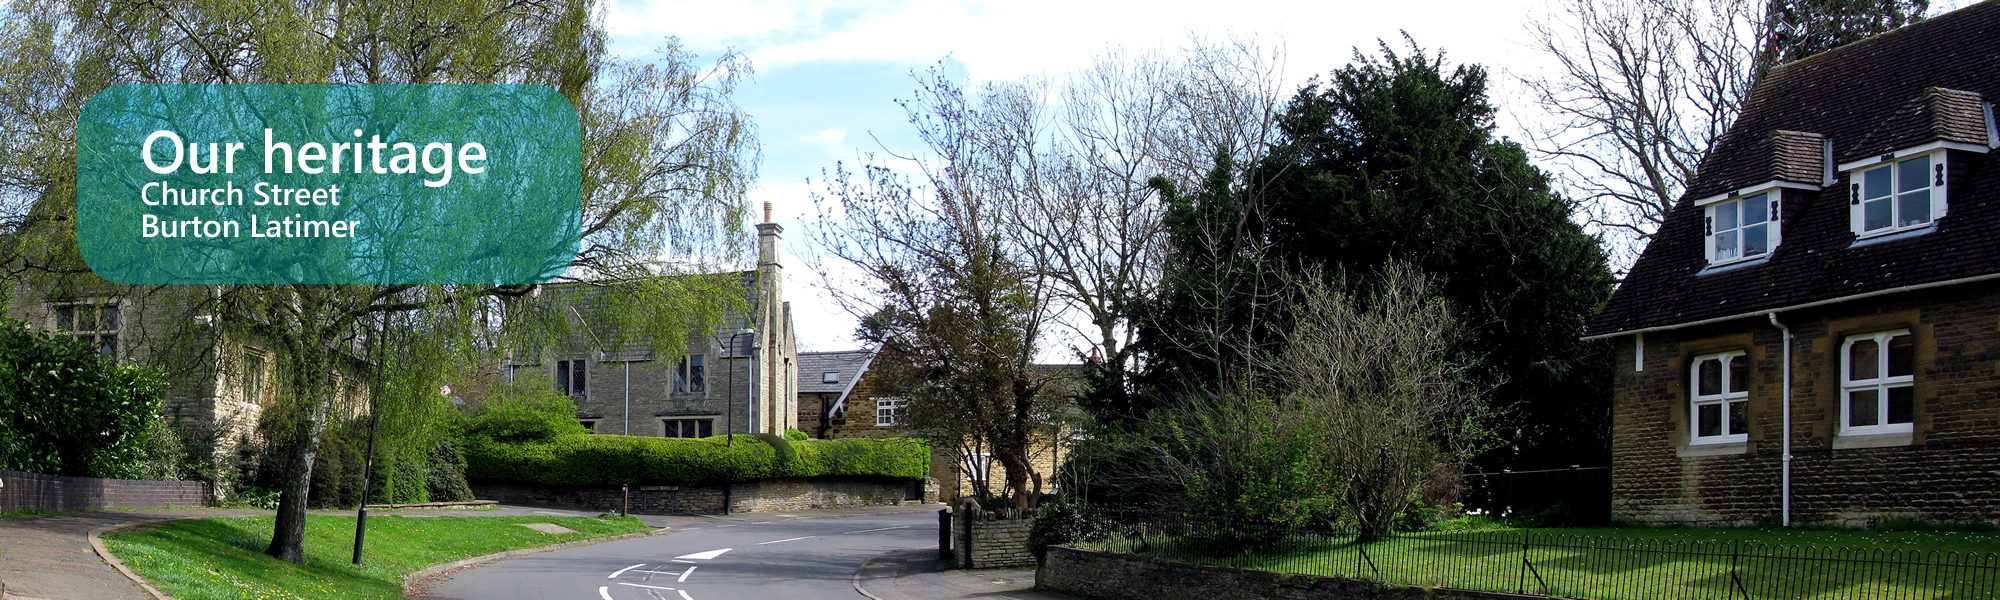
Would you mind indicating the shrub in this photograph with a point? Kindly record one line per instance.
(527, 408)
(1066, 523)
(66, 410)
(618, 459)
(796, 435)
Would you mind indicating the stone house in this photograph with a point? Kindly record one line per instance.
(740, 377)
(860, 410)
(825, 378)
(1813, 335)
(215, 382)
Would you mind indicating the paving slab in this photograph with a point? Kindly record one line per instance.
(917, 574)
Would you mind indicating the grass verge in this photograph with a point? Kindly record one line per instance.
(223, 558)
(1637, 563)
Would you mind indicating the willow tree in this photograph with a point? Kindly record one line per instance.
(668, 159)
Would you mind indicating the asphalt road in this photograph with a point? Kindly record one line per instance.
(803, 559)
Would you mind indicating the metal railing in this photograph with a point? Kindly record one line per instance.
(1571, 566)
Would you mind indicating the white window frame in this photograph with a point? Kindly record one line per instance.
(674, 424)
(1697, 400)
(684, 382)
(1934, 179)
(1712, 219)
(1881, 384)
(891, 412)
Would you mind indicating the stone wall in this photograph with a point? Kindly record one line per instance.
(56, 493)
(994, 540)
(770, 495)
(1111, 576)
(1945, 470)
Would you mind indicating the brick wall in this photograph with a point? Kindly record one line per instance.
(56, 493)
(1110, 576)
(1947, 469)
(770, 495)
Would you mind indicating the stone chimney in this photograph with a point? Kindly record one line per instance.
(767, 240)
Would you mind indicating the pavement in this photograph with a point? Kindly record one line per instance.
(917, 574)
(49, 557)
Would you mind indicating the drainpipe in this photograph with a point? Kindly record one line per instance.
(1785, 480)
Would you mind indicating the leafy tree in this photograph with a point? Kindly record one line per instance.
(669, 159)
(1807, 27)
(1393, 158)
(66, 410)
(1220, 297)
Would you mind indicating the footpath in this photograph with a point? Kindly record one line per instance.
(917, 574)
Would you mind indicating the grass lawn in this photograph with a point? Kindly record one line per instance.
(223, 558)
(1647, 564)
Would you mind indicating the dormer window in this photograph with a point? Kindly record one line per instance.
(1890, 196)
(1742, 229)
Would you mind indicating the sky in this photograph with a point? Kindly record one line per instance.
(828, 73)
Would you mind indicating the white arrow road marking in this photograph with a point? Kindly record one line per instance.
(684, 576)
(684, 593)
(650, 587)
(787, 540)
(604, 592)
(622, 571)
(877, 531)
(705, 555)
(683, 561)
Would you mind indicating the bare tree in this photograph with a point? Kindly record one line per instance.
(954, 312)
(1073, 176)
(1641, 90)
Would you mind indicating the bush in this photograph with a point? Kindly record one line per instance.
(527, 408)
(446, 474)
(796, 435)
(66, 410)
(1066, 523)
(618, 459)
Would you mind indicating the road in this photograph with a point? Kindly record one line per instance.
(786, 559)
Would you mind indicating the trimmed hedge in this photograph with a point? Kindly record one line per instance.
(619, 459)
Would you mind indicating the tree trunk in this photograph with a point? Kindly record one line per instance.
(288, 534)
(1015, 458)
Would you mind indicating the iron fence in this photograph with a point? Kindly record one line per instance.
(1570, 566)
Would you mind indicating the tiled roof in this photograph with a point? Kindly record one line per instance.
(814, 365)
(1918, 84)
(1793, 156)
(1935, 114)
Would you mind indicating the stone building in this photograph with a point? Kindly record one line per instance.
(825, 378)
(1813, 335)
(861, 410)
(215, 382)
(740, 377)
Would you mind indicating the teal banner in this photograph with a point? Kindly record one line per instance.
(329, 184)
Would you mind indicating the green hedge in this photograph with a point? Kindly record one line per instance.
(619, 459)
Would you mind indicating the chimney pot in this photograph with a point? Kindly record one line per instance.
(767, 211)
